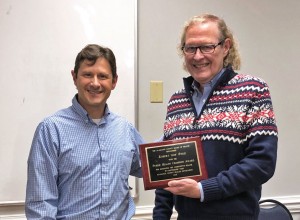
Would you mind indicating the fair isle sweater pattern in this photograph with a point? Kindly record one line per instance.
(234, 112)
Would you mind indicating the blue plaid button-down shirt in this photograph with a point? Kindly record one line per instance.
(79, 170)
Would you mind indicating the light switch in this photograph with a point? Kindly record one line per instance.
(156, 91)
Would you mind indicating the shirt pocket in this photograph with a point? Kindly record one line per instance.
(126, 161)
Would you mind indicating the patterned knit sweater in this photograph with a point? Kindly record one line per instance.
(239, 136)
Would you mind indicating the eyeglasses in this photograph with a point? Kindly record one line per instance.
(209, 48)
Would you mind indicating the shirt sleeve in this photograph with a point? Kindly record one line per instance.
(136, 169)
(201, 192)
(41, 192)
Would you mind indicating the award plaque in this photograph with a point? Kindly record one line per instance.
(174, 159)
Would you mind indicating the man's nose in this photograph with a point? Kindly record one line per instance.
(95, 81)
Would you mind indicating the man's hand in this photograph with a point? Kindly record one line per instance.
(184, 187)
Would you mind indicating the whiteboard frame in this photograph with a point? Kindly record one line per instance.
(133, 181)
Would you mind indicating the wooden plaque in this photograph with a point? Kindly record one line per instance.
(174, 159)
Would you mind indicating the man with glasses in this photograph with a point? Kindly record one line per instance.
(233, 115)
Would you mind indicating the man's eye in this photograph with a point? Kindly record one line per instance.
(190, 49)
(207, 47)
(102, 76)
(87, 75)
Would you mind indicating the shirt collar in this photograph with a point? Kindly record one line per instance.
(83, 113)
(211, 83)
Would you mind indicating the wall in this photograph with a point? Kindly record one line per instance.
(267, 32)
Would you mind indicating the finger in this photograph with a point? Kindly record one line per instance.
(173, 183)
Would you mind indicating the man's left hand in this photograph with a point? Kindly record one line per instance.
(184, 187)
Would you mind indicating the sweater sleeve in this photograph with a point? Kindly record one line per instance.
(260, 152)
(256, 168)
(163, 205)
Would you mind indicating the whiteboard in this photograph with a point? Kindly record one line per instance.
(39, 42)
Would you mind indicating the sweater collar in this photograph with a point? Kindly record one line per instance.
(226, 76)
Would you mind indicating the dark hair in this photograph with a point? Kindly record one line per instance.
(92, 52)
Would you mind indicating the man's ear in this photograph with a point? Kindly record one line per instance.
(227, 45)
(114, 81)
(74, 77)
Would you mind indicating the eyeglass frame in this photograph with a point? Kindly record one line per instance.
(201, 48)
